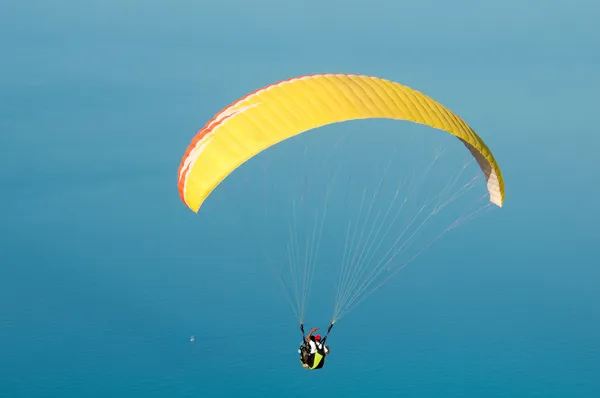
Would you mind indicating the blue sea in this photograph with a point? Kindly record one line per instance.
(105, 274)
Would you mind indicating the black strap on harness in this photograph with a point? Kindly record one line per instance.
(303, 336)
(327, 334)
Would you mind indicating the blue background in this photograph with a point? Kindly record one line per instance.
(105, 274)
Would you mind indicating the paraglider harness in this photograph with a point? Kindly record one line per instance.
(316, 360)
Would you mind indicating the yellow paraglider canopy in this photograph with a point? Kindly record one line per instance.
(285, 109)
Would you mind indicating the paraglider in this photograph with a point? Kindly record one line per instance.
(285, 109)
(313, 349)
